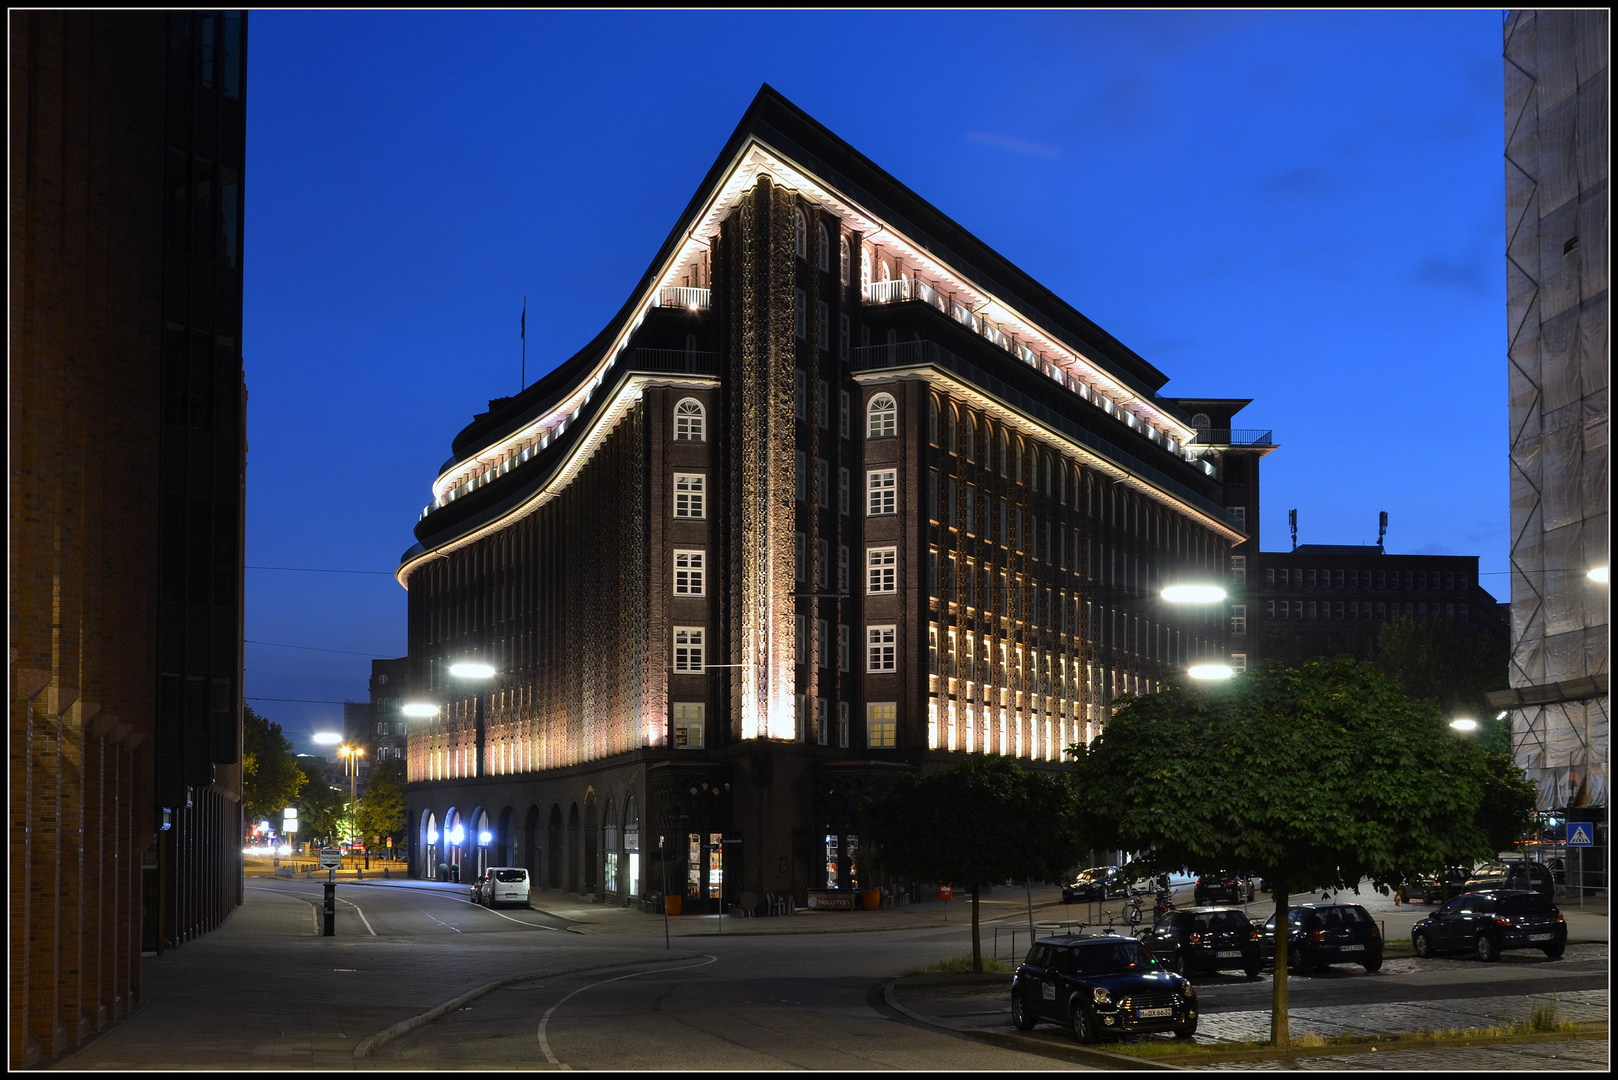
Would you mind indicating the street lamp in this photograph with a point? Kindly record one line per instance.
(1599, 573)
(1196, 592)
(351, 764)
(426, 710)
(1464, 723)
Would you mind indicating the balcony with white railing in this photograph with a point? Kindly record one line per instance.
(682, 296)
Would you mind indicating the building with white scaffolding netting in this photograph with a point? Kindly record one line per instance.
(1556, 127)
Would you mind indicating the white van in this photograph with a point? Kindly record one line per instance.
(505, 885)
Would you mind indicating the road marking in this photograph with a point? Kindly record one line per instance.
(544, 1043)
(311, 903)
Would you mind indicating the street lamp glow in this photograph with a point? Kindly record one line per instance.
(1212, 671)
(484, 837)
(1464, 723)
(327, 738)
(1598, 574)
(419, 710)
(1193, 594)
(471, 669)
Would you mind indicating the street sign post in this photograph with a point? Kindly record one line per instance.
(331, 858)
(1581, 835)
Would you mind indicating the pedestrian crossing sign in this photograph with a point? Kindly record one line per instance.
(1580, 835)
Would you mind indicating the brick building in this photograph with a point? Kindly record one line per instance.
(839, 493)
(127, 463)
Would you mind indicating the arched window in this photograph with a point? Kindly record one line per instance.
(884, 268)
(1005, 453)
(824, 255)
(882, 417)
(865, 270)
(800, 234)
(932, 420)
(689, 420)
(949, 428)
(968, 431)
(1201, 422)
(842, 258)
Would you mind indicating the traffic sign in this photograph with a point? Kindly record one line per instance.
(331, 859)
(1580, 834)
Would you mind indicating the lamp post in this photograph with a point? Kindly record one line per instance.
(351, 764)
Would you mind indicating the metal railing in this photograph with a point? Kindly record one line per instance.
(683, 296)
(1233, 437)
(686, 361)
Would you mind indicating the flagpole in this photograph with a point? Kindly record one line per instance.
(525, 343)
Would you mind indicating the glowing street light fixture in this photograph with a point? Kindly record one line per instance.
(1212, 671)
(1193, 594)
(1598, 573)
(419, 710)
(1464, 723)
(471, 669)
(327, 738)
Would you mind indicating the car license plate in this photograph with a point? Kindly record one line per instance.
(1353, 948)
(1540, 937)
(1149, 1014)
(1228, 954)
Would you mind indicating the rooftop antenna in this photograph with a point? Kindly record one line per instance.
(524, 343)
(1382, 530)
(1292, 518)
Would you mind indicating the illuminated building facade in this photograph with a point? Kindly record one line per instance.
(840, 492)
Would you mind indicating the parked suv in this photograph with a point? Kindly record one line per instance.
(1513, 875)
(1205, 939)
(1439, 886)
(1096, 883)
(1487, 922)
(1100, 985)
(1323, 934)
(1224, 887)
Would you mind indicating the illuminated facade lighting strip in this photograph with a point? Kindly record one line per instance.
(1028, 426)
(570, 466)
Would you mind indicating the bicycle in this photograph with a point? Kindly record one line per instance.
(1132, 911)
(1163, 907)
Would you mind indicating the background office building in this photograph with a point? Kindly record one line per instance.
(127, 463)
(1556, 124)
(1334, 599)
(840, 492)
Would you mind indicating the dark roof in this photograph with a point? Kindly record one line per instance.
(799, 136)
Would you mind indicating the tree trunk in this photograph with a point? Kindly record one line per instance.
(977, 942)
(1280, 1031)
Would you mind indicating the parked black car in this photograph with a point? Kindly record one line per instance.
(1438, 886)
(1205, 939)
(1488, 922)
(1096, 883)
(1100, 985)
(1513, 875)
(1323, 934)
(1224, 887)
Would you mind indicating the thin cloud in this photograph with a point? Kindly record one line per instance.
(1015, 145)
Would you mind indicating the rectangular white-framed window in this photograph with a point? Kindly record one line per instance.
(843, 420)
(822, 720)
(690, 495)
(689, 574)
(823, 405)
(843, 485)
(1238, 569)
(882, 492)
(800, 394)
(800, 638)
(881, 724)
(842, 568)
(842, 725)
(1269, 576)
(823, 642)
(1462, 612)
(843, 658)
(842, 339)
(688, 648)
(1238, 662)
(688, 725)
(881, 570)
(1238, 618)
(800, 475)
(1239, 515)
(800, 313)
(823, 325)
(822, 564)
(823, 483)
(880, 648)
(800, 556)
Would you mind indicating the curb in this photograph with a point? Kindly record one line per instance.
(1393, 1044)
(371, 1044)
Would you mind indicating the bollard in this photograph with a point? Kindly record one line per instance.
(359, 874)
(385, 872)
(330, 910)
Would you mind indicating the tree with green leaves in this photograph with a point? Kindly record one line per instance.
(1324, 775)
(271, 778)
(320, 806)
(982, 822)
(1442, 662)
(381, 810)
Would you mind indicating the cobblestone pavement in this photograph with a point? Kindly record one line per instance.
(1567, 1056)
(1395, 1017)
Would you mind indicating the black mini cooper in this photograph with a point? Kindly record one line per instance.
(1101, 985)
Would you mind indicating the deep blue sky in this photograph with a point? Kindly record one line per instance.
(1301, 208)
